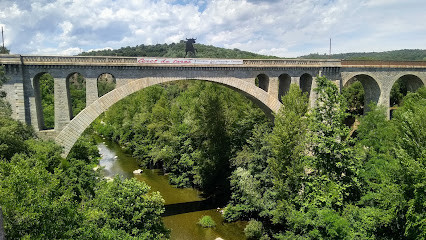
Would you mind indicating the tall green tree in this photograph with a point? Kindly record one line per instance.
(354, 95)
(288, 141)
(211, 129)
(330, 172)
(46, 83)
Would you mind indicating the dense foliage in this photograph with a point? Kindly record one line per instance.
(46, 85)
(304, 178)
(45, 196)
(77, 88)
(330, 186)
(190, 129)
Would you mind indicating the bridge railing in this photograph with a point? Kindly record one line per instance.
(77, 59)
(297, 62)
(87, 60)
(387, 64)
(133, 61)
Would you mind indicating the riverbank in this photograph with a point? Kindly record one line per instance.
(184, 206)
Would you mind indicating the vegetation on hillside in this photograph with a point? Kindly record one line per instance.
(396, 55)
(327, 185)
(208, 51)
(176, 50)
(303, 178)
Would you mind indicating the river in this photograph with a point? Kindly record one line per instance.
(184, 207)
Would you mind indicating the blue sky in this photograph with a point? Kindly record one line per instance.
(286, 28)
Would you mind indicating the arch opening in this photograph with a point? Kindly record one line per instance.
(284, 81)
(106, 83)
(44, 88)
(402, 86)
(361, 90)
(262, 81)
(69, 135)
(306, 83)
(77, 93)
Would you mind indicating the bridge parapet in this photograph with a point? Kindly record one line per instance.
(383, 64)
(133, 61)
(10, 59)
(294, 62)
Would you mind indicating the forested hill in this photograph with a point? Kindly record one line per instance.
(207, 51)
(177, 50)
(397, 55)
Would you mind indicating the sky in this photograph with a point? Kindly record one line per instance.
(284, 28)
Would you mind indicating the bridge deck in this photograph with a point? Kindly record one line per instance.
(133, 61)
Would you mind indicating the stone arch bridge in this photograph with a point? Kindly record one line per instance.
(263, 81)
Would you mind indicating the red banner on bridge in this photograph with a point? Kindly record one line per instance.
(189, 61)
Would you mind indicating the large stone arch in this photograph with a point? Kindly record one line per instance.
(371, 87)
(69, 135)
(407, 83)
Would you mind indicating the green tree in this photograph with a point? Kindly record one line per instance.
(105, 85)
(330, 181)
(215, 146)
(4, 50)
(354, 95)
(78, 93)
(411, 154)
(252, 192)
(126, 205)
(398, 91)
(288, 141)
(46, 83)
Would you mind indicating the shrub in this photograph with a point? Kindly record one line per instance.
(206, 222)
(253, 229)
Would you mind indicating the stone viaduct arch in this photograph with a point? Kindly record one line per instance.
(69, 134)
(133, 74)
(378, 83)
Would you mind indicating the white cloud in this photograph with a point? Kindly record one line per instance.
(273, 27)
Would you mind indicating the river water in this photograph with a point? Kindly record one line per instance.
(184, 207)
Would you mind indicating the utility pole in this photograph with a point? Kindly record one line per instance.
(329, 53)
(2, 37)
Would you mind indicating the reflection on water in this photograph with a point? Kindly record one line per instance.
(184, 207)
